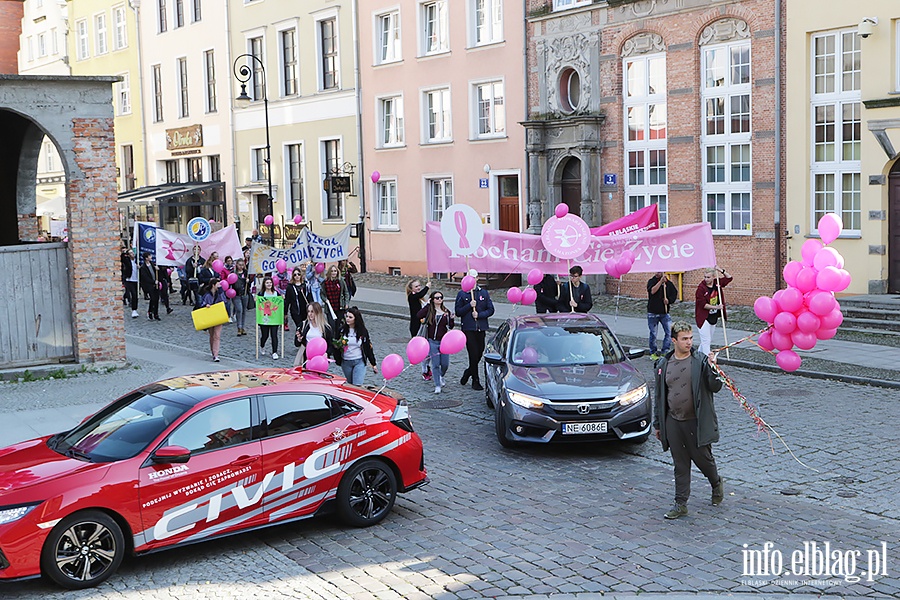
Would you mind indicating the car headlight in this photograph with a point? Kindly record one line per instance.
(8, 514)
(632, 396)
(525, 401)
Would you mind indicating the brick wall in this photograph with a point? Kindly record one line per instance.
(29, 227)
(11, 12)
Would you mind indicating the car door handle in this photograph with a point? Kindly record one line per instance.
(241, 461)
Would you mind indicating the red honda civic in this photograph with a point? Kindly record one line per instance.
(198, 457)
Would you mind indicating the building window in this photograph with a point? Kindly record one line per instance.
(435, 27)
(391, 121)
(564, 4)
(389, 37)
(488, 21)
(295, 176)
(127, 168)
(54, 41)
(195, 169)
(258, 82)
(646, 180)
(42, 45)
(123, 95)
(183, 87)
(569, 90)
(440, 197)
(437, 116)
(161, 15)
(100, 43)
(490, 111)
(215, 169)
(81, 35)
(171, 171)
(260, 165)
(289, 62)
(209, 59)
(726, 137)
(197, 12)
(329, 47)
(386, 209)
(121, 25)
(837, 127)
(179, 13)
(157, 94)
(331, 154)
(30, 49)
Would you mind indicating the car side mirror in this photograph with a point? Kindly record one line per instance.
(171, 455)
(634, 353)
(493, 358)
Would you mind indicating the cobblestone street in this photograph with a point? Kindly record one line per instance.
(541, 521)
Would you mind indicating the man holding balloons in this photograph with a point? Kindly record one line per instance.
(473, 307)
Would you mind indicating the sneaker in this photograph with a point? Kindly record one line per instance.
(442, 382)
(718, 492)
(437, 390)
(677, 511)
(134, 314)
(169, 311)
(426, 376)
(287, 327)
(654, 356)
(215, 359)
(230, 320)
(274, 356)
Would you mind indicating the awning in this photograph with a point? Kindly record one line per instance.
(171, 191)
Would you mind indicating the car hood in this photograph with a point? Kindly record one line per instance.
(573, 382)
(28, 463)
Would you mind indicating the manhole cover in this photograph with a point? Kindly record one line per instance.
(790, 492)
(788, 392)
(846, 494)
(438, 404)
(844, 480)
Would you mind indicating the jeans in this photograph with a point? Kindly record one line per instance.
(354, 370)
(229, 306)
(665, 320)
(240, 310)
(706, 334)
(439, 362)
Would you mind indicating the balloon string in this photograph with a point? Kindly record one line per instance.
(618, 294)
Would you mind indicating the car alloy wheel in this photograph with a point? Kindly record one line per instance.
(83, 550)
(366, 493)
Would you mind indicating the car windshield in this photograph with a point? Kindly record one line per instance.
(565, 345)
(121, 430)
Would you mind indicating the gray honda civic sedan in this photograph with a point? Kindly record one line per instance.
(564, 378)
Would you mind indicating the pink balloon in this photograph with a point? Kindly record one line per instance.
(809, 250)
(806, 279)
(224, 284)
(535, 276)
(232, 278)
(803, 340)
(825, 334)
(453, 341)
(785, 322)
(529, 296)
(168, 271)
(224, 273)
(217, 266)
(417, 350)
(317, 363)
(790, 272)
(830, 227)
(826, 257)
(611, 267)
(623, 265)
(467, 284)
(316, 347)
(765, 308)
(320, 268)
(269, 219)
(280, 265)
(529, 355)
(765, 340)
(230, 293)
(777, 298)
(562, 209)
(788, 360)
(821, 303)
(629, 256)
(808, 322)
(392, 365)
(832, 320)
(298, 219)
(845, 280)
(782, 341)
(514, 295)
(791, 300)
(376, 176)
(829, 278)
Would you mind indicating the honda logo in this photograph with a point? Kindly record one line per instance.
(584, 409)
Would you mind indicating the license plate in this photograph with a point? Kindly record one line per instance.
(577, 428)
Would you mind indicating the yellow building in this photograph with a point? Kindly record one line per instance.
(103, 40)
(843, 133)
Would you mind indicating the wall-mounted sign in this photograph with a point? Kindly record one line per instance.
(291, 231)
(184, 137)
(265, 231)
(483, 183)
(609, 179)
(340, 184)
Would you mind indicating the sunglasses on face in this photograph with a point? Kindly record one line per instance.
(438, 297)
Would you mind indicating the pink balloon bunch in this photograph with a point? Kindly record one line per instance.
(618, 266)
(806, 311)
(316, 347)
(280, 265)
(525, 297)
(218, 266)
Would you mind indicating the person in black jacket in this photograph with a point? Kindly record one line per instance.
(547, 295)
(130, 280)
(164, 276)
(241, 289)
(191, 266)
(415, 295)
(295, 297)
(205, 273)
(356, 348)
(150, 286)
(473, 309)
(575, 296)
(661, 294)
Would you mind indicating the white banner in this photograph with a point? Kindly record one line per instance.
(308, 247)
(174, 249)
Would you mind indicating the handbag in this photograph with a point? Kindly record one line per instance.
(251, 301)
(423, 330)
(210, 316)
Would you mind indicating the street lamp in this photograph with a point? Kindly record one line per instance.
(244, 74)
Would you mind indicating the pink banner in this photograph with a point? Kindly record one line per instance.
(681, 248)
(644, 219)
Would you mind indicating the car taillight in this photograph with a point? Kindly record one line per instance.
(400, 418)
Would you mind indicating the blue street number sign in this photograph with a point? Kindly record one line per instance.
(483, 183)
(609, 179)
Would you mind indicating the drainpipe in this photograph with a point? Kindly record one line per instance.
(779, 110)
(527, 180)
(361, 189)
(234, 195)
(136, 7)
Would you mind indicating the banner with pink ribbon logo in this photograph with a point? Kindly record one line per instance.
(644, 219)
(681, 248)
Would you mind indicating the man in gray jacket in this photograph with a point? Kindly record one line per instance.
(685, 415)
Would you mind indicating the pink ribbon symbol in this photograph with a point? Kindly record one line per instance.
(460, 220)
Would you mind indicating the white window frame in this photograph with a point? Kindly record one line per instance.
(392, 51)
(257, 158)
(82, 41)
(288, 184)
(282, 63)
(567, 4)
(162, 16)
(428, 195)
(733, 191)
(209, 81)
(196, 11)
(156, 83)
(257, 74)
(54, 41)
(841, 170)
(29, 42)
(184, 87)
(178, 19)
(120, 26)
(446, 109)
(442, 15)
(101, 34)
(475, 124)
(323, 168)
(390, 129)
(42, 44)
(897, 55)
(641, 192)
(387, 217)
(320, 56)
(492, 25)
(123, 94)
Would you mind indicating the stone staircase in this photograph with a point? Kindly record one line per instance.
(877, 315)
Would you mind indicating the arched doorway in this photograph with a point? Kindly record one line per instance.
(570, 184)
(893, 248)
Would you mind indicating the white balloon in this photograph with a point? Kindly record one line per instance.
(473, 273)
